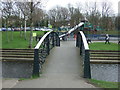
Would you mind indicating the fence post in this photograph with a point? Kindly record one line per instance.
(36, 63)
(87, 72)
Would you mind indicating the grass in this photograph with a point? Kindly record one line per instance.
(31, 78)
(104, 84)
(18, 41)
(103, 46)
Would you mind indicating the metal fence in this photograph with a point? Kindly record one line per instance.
(42, 49)
(101, 37)
(81, 42)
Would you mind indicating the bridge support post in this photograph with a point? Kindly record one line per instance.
(36, 66)
(57, 40)
(87, 71)
(48, 45)
(77, 40)
(53, 39)
(81, 44)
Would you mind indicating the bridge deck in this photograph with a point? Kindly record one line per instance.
(63, 69)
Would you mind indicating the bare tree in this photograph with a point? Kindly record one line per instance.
(28, 9)
(58, 15)
(7, 11)
(52, 16)
(32, 10)
(106, 12)
(24, 8)
(39, 15)
(75, 14)
(94, 14)
(117, 22)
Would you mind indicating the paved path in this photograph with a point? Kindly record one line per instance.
(104, 41)
(9, 82)
(63, 69)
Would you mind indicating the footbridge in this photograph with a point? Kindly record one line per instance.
(65, 55)
(61, 61)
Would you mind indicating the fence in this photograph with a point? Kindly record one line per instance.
(81, 42)
(42, 49)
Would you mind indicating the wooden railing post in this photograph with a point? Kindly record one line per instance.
(36, 63)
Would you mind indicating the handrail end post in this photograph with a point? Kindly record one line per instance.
(36, 63)
(87, 70)
(77, 40)
(58, 41)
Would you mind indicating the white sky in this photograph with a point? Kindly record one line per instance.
(52, 3)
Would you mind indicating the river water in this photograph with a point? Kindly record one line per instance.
(106, 72)
(17, 69)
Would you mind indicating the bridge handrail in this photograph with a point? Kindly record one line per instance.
(81, 42)
(71, 30)
(42, 39)
(42, 49)
(84, 41)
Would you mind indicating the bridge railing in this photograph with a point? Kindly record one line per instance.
(81, 42)
(42, 49)
(64, 36)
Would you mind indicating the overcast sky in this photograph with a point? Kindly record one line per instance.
(52, 3)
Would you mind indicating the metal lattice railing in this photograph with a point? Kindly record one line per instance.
(42, 49)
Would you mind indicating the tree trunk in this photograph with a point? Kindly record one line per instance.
(11, 34)
(20, 25)
(21, 31)
(25, 29)
(31, 20)
(7, 30)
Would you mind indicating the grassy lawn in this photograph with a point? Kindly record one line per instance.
(104, 84)
(18, 42)
(103, 46)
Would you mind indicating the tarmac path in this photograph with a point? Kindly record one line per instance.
(62, 69)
